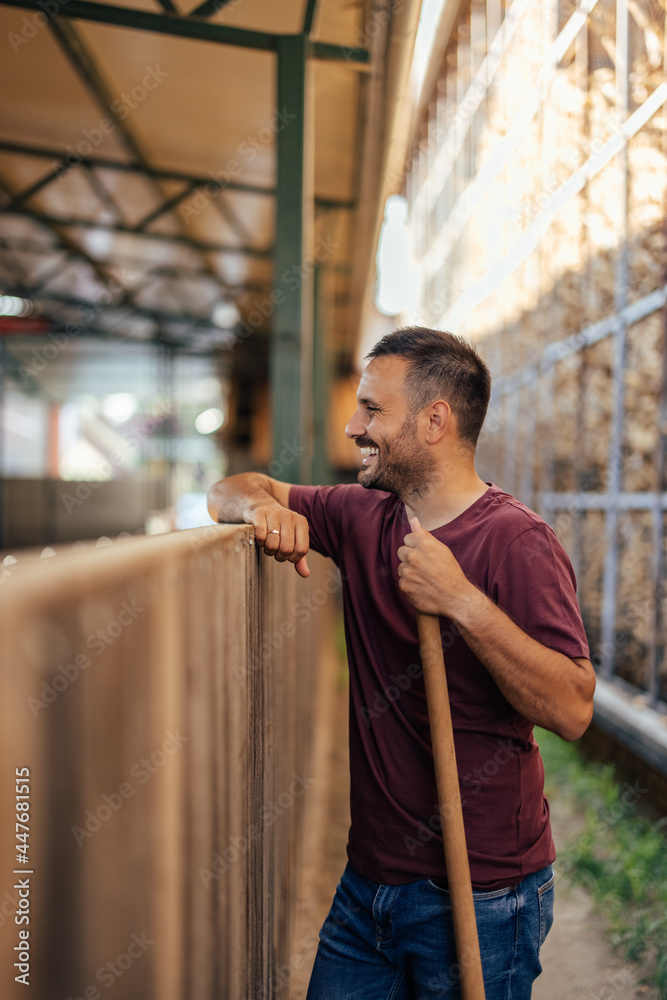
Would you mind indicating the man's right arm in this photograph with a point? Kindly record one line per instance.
(253, 498)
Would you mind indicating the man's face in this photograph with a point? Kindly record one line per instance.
(392, 456)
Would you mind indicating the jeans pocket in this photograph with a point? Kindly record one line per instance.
(545, 897)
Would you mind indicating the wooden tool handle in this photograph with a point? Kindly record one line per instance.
(449, 800)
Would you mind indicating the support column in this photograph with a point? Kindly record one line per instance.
(292, 334)
(615, 470)
(321, 379)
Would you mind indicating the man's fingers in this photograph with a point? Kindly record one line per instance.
(273, 533)
(301, 541)
(302, 567)
(258, 521)
(286, 543)
(283, 535)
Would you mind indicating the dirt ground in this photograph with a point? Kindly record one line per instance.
(577, 962)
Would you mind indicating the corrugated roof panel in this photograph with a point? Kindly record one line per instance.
(134, 194)
(70, 196)
(218, 95)
(342, 22)
(336, 96)
(281, 18)
(45, 101)
(102, 243)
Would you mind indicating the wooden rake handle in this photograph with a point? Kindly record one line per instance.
(449, 801)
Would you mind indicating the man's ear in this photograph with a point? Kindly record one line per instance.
(439, 418)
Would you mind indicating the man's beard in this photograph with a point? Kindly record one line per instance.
(402, 466)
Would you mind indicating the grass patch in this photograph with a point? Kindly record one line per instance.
(620, 856)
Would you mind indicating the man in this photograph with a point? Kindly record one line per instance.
(433, 536)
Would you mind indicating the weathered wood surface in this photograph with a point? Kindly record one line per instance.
(160, 691)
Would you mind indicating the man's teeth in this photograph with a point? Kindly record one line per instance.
(368, 451)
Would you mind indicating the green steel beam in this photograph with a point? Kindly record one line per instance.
(167, 205)
(81, 58)
(321, 381)
(20, 245)
(208, 8)
(340, 53)
(96, 185)
(65, 160)
(290, 362)
(32, 189)
(309, 18)
(182, 27)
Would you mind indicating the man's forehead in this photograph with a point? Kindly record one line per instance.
(382, 375)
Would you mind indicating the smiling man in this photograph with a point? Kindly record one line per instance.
(422, 530)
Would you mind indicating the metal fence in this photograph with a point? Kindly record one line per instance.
(537, 196)
(156, 714)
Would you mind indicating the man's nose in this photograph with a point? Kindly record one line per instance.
(355, 427)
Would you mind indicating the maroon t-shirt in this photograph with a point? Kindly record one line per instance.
(513, 556)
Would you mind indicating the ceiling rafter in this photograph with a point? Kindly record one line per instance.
(196, 28)
(156, 172)
(22, 245)
(208, 8)
(159, 315)
(201, 246)
(309, 17)
(171, 24)
(80, 58)
(126, 299)
(54, 224)
(168, 205)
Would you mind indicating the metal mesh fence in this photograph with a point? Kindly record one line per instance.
(537, 213)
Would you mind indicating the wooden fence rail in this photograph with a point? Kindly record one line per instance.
(156, 710)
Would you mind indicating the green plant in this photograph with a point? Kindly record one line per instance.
(620, 855)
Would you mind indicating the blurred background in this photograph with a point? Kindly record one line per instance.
(210, 213)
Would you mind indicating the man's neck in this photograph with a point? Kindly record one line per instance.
(446, 500)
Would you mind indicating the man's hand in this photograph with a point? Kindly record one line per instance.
(429, 575)
(282, 533)
(549, 688)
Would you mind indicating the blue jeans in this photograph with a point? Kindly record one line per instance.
(396, 942)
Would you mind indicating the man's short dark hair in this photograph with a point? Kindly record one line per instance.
(441, 366)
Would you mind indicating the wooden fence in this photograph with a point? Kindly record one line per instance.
(156, 705)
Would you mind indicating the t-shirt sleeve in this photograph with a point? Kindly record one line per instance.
(328, 515)
(535, 585)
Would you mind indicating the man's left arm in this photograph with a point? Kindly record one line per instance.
(547, 687)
